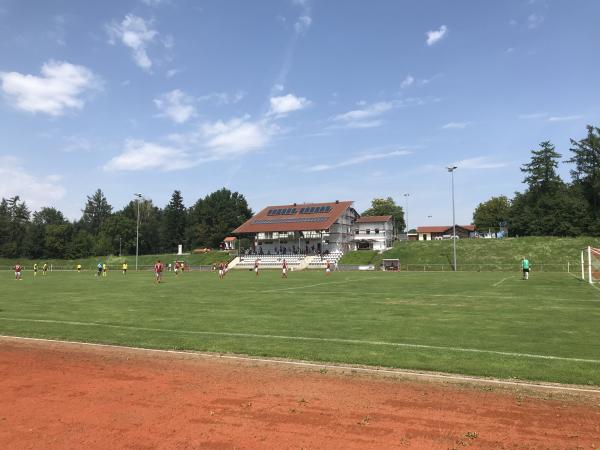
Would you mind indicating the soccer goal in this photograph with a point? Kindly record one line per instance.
(590, 264)
(391, 265)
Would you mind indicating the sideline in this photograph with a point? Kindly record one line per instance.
(339, 367)
(314, 339)
(586, 282)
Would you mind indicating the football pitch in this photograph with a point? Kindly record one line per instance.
(484, 324)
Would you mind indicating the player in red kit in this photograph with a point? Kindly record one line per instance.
(158, 269)
(284, 267)
(221, 270)
(327, 267)
(18, 269)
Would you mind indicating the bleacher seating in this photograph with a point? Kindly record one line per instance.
(320, 261)
(270, 261)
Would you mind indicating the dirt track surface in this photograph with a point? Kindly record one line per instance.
(70, 396)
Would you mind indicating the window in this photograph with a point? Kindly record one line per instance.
(368, 231)
(357, 231)
(376, 230)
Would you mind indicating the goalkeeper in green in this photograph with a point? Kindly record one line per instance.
(525, 268)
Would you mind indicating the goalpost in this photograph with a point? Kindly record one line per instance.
(591, 256)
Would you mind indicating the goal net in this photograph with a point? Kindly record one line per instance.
(590, 264)
(594, 265)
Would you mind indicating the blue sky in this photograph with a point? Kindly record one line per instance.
(290, 100)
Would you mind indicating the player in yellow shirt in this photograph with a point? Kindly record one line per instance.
(125, 268)
(104, 270)
(78, 268)
(45, 269)
(35, 270)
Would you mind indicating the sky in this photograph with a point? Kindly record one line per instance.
(291, 100)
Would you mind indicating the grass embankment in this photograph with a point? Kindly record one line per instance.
(114, 262)
(487, 324)
(544, 254)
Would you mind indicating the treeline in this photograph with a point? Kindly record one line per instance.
(550, 206)
(101, 231)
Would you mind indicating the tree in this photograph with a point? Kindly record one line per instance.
(96, 211)
(212, 218)
(174, 221)
(490, 214)
(541, 170)
(387, 207)
(586, 174)
(14, 220)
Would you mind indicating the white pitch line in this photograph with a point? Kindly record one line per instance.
(314, 339)
(312, 285)
(397, 372)
(502, 281)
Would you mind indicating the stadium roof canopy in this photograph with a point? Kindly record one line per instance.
(296, 217)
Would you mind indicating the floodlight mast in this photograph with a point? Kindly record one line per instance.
(451, 169)
(137, 230)
(406, 214)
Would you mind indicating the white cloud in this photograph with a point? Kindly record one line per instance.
(61, 87)
(408, 81)
(534, 21)
(135, 33)
(436, 35)
(223, 98)
(172, 72)
(537, 115)
(358, 160)
(285, 104)
(176, 105)
(77, 144)
(366, 117)
(303, 24)
(563, 118)
(478, 163)
(237, 136)
(36, 191)
(456, 125)
(154, 3)
(141, 155)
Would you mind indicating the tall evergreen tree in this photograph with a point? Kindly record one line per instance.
(541, 170)
(174, 222)
(96, 211)
(586, 174)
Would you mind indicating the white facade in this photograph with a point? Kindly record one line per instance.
(377, 235)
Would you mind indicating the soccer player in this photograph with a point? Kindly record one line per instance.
(78, 268)
(18, 270)
(256, 267)
(176, 268)
(104, 270)
(158, 268)
(45, 268)
(327, 267)
(124, 267)
(99, 267)
(525, 268)
(35, 270)
(221, 270)
(284, 269)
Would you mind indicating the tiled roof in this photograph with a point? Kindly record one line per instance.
(296, 217)
(373, 219)
(441, 229)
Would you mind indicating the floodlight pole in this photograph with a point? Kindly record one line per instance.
(451, 169)
(137, 230)
(406, 214)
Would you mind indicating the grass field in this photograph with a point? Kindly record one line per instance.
(487, 324)
(544, 253)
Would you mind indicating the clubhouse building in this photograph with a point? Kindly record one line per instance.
(330, 228)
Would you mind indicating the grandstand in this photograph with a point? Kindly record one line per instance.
(305, 235)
